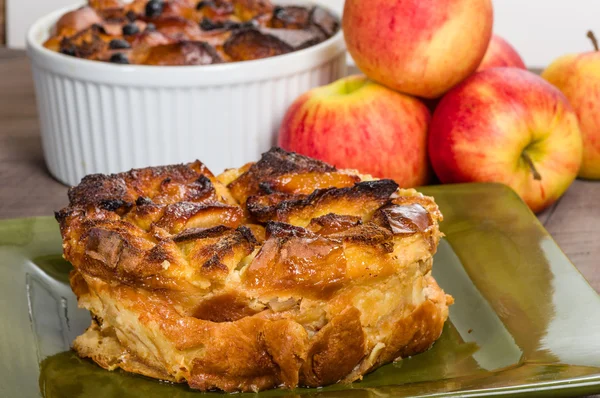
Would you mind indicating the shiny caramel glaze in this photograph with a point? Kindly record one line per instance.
(188, 32)
(251, 280)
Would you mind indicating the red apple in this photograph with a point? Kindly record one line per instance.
(418, 47)
(578, 77)
(510, 126)
(355, 123)
(500, 53)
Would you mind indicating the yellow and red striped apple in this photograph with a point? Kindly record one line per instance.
(510, 126)
(501, 54)
(355, 123)
(418, 47)
(578, 77)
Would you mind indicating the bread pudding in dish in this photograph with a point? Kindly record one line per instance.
(188, 32)
(285, 272)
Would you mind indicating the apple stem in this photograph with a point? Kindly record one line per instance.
(592, 37)
(536, 174)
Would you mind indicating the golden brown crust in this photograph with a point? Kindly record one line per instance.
(273, 164)
(358, 200)
(188, 32)
(192, 281)
(335, 350)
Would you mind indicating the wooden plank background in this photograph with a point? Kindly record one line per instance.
(2, 22)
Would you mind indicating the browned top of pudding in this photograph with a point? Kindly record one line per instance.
(188, 32)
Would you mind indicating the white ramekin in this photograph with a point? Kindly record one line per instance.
(98, 117)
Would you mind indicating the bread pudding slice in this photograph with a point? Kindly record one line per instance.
(286, 272)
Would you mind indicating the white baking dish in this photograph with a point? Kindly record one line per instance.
(103, 118)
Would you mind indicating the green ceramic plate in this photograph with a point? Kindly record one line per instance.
(525, 321)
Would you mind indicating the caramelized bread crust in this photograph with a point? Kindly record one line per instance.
(188, 32)
(285, 272)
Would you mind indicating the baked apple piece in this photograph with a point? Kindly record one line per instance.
(111, 11)
(150, 38)
(177, 28)
(324, 21)
(290, 17)
(215, 9)
(182, 53)
(277, 163)
(180, 8)
(306, 183)
(361, 200)
(76, 21)
(135, 9)
(250, 44)
(101, 5)
(245, 10)
(297, 38)
(88, 43)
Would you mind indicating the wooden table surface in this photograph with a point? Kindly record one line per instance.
(26, 188)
